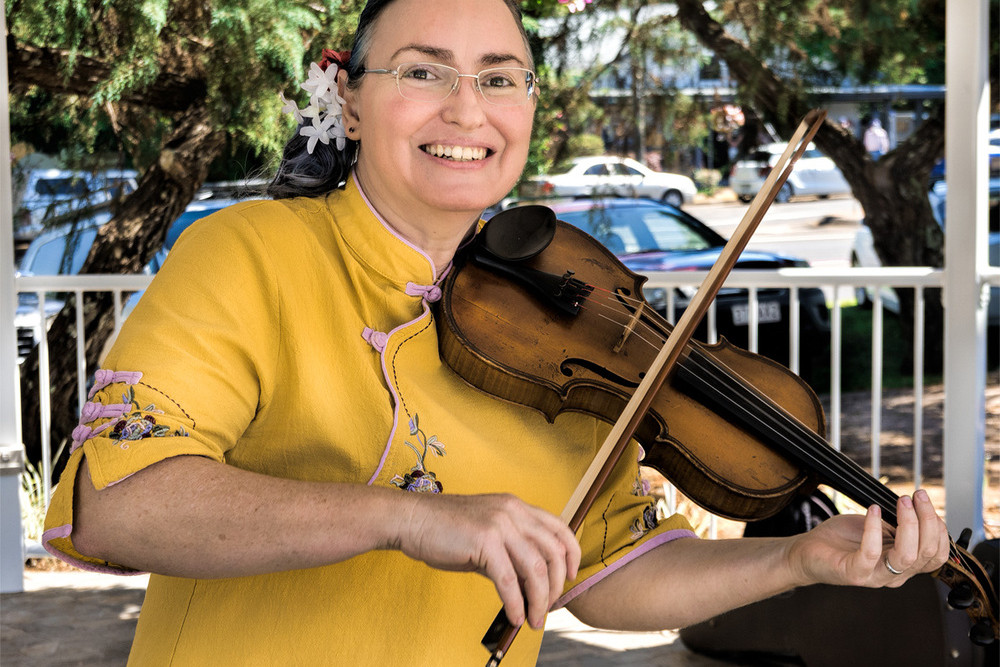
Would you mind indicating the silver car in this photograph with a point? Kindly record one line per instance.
(610, 176)
(813, 174)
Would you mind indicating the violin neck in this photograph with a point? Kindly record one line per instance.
(731, 397)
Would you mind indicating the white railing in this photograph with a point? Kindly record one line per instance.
(839, 286)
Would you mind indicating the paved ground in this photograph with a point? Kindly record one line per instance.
(69, 618)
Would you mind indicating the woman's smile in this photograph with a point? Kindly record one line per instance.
(457, 153)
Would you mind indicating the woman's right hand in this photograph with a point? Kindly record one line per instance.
(527, 552)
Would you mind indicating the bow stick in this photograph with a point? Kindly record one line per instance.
(501, 633)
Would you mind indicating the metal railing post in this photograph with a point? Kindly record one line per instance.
(11, 449)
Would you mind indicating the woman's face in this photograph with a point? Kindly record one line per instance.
(399, 162)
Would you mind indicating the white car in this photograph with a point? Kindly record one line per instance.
(606, 175)
(813, 174)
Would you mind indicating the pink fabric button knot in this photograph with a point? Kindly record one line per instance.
(377, 339)
(430, 293)
(92, 411)
(103, 377)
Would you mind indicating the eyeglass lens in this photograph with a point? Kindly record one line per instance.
(432, 83)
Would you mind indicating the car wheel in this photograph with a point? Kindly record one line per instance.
(784, 194)
(672, 197)
(746, 199)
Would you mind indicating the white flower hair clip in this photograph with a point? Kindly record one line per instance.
(324, 110)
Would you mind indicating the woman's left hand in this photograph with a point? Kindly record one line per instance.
(864, 551)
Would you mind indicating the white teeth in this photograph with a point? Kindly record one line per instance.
(458, 153)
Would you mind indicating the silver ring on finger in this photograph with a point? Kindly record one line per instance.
(888, 566)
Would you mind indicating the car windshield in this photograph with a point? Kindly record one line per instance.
(62, 187)
(63, 255)
(631, 230)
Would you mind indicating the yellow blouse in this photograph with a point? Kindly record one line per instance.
(295, 338)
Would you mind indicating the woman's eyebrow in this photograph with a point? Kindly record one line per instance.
(445, 56)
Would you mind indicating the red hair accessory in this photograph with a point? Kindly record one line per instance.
(341, 58)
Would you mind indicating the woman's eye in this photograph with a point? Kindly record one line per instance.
(421, 73)
(499, 80)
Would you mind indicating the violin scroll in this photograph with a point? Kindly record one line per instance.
(973, 590)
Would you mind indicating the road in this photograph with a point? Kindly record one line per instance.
(821, 231)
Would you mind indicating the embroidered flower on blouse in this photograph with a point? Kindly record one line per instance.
(140, 423)
(645, 523)
(419, 479)
(640, 486)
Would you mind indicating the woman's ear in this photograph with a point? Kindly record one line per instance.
(349, 110)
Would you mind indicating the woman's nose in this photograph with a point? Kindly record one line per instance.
(466, 103)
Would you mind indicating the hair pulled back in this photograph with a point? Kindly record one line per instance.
(327, 168)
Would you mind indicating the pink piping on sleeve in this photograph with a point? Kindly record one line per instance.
(64, 531)
(649, 545)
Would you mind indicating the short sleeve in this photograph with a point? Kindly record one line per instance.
(621, 526)
(187, 373)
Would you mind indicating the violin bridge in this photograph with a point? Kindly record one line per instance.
(629, 328)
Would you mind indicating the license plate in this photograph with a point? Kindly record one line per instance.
(767, 312)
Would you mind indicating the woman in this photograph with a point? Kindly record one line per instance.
(277, 440)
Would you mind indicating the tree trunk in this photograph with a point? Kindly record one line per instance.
(892, 190)
(124, 245)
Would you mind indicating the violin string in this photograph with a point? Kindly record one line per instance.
(650, 343)
(796, 436)
(867, 486)
(863, 484)
(613, 302)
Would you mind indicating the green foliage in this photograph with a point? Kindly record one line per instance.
(584, 144)
(829, 41)
(245, 51)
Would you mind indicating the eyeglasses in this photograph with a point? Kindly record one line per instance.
(430, 82)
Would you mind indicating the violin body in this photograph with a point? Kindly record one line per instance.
(497, 336)
(737, 433)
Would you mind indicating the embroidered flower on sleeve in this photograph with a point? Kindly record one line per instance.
(419, 479)
(140, 423)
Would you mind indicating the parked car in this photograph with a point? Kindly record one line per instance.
(650, 236)
(52, 192)
(610, 176)
(63, 250)
(813, 174)
(863, 253)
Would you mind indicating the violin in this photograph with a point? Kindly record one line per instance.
(537, 312)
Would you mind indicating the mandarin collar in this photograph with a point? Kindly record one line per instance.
(375, 242)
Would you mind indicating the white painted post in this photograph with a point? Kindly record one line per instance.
(11, 449)
(966, 123)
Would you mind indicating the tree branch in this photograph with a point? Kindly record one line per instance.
(43, 67)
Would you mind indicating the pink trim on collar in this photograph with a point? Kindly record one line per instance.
(385, 223)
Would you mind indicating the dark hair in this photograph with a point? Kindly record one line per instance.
(327, 168)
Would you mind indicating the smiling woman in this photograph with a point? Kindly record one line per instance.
(276, 438)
